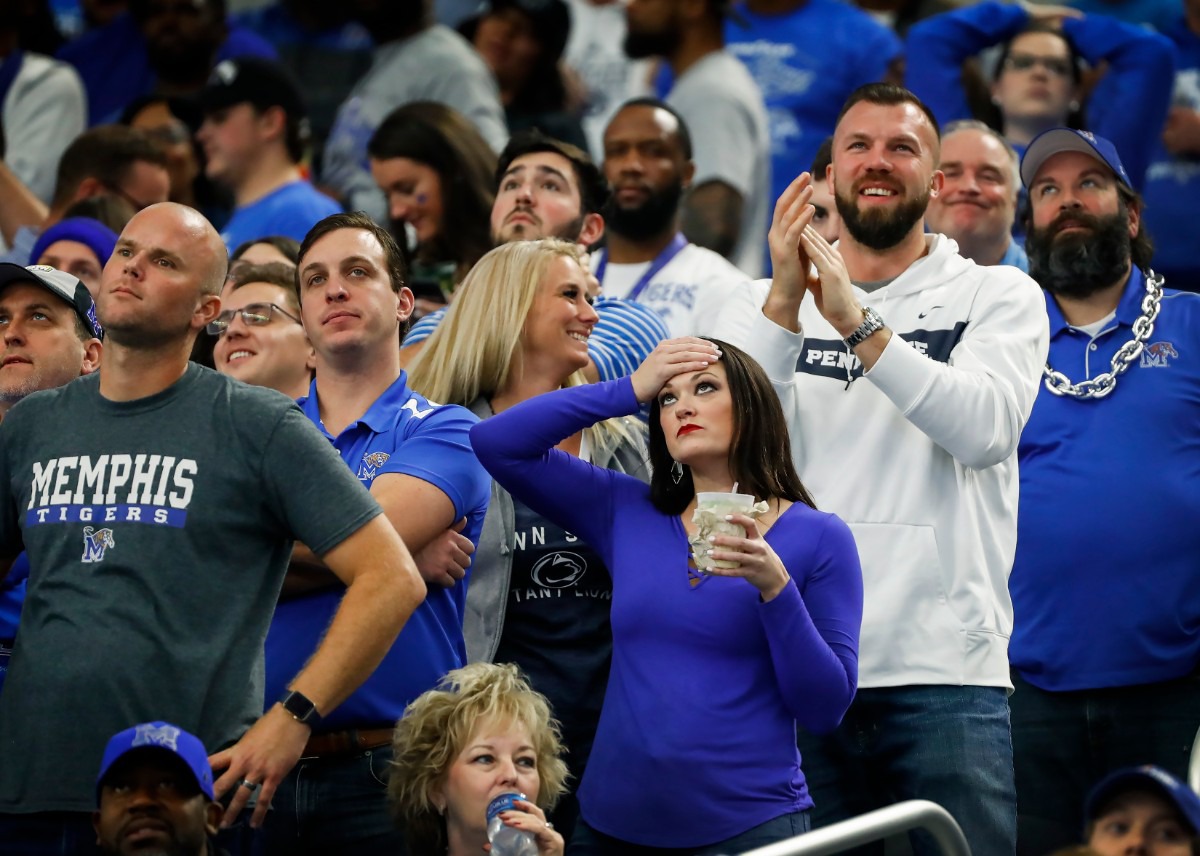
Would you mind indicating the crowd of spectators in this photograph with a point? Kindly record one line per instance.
(368, 371)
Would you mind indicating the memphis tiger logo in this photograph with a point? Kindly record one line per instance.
(1157, 355)
(95, 543)
(371, 462)
(153, 734)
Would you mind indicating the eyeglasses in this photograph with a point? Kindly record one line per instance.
(137, 206)
(1057, 66)
(253, 314)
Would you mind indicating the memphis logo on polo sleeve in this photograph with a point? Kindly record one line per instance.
(143, 488)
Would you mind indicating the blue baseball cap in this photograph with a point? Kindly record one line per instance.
(163, 737)
(62, 285)
(1049, 143)
(1150, 778)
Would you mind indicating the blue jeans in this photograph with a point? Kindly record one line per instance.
(70, 833)
(336, 804)
(588, 842)
(947, 744)
(1064, 742)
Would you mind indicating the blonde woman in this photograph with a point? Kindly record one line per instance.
(538, 596)
(480, 733)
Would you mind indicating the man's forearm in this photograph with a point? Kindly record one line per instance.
(18, 205)
(378, 601)
(711, 217)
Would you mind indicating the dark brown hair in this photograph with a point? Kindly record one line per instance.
(106, 153)
(393, 258)
(888, 94)
(760, 454)
(444, 140)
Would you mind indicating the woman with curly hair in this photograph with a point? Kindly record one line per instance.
(480, 733)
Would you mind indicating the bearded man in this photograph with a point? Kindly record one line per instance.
(906, 429)
(1107, 534)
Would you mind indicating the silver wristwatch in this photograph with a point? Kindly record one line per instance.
(872, 321)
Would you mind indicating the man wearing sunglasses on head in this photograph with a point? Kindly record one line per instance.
(260, 338)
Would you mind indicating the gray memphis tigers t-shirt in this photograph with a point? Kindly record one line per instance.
(158, 533)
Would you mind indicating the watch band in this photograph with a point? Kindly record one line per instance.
(872, 321)
(300, 707)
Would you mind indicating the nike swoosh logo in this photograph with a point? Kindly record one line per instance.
(923, 314)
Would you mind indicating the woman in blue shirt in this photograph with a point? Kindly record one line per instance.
(696, 747)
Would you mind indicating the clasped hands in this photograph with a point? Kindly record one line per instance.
(804, 261)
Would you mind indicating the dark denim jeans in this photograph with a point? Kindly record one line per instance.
(1063, 743)
(947, 744)
(588, 842)
(70, 833)
(334, 805)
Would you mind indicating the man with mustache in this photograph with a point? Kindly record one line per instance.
(648, 164)
(546, 188)
(907, 373)
(1107, 537)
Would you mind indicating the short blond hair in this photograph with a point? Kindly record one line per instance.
(436, 727)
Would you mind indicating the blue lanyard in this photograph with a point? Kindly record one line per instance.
(669, 252)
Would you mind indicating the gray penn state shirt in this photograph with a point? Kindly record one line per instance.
(158, 534)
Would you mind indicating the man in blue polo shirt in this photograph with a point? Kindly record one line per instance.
(1104, 586)
(416, 459)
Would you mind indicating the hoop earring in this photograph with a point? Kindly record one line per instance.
(676, 472)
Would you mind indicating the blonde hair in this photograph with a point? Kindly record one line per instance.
(436, 727)
(476, 348)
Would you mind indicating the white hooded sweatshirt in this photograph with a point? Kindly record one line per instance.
(918, 455)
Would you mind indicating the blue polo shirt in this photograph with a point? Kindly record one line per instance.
(400, 433)
(1106, 582)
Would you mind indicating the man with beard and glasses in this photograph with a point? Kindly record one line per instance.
(1107, 534)
(154, 795)
(726, 208)
(546, 188)
(928, 407)
(648, 164)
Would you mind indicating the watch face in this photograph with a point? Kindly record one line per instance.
(298, 706)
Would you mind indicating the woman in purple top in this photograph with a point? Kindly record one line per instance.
(695, 752)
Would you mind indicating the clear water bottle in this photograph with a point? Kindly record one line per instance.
(507, 840)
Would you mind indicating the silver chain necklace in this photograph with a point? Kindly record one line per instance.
(1102, 384)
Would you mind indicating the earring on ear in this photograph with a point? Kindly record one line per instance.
(1074, 106)
(676, 472)
(995, 101)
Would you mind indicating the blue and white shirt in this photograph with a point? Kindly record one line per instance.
(624, 336)
(401, 432)
(290, 211)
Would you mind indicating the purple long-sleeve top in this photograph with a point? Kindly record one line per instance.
(696, 741)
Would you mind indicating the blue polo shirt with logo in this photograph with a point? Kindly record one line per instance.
(1106, 582)
(401, 432)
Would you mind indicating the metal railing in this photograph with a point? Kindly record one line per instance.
(1194, 765)
(874, 826)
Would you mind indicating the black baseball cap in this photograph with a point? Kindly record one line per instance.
(252, 80)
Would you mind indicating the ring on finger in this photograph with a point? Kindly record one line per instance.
(250, 786)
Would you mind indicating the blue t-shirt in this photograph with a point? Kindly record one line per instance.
(1173, 183)
(806, 62)
(289, 211)
(1105, 586)
(400, 433)
(115, 67)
